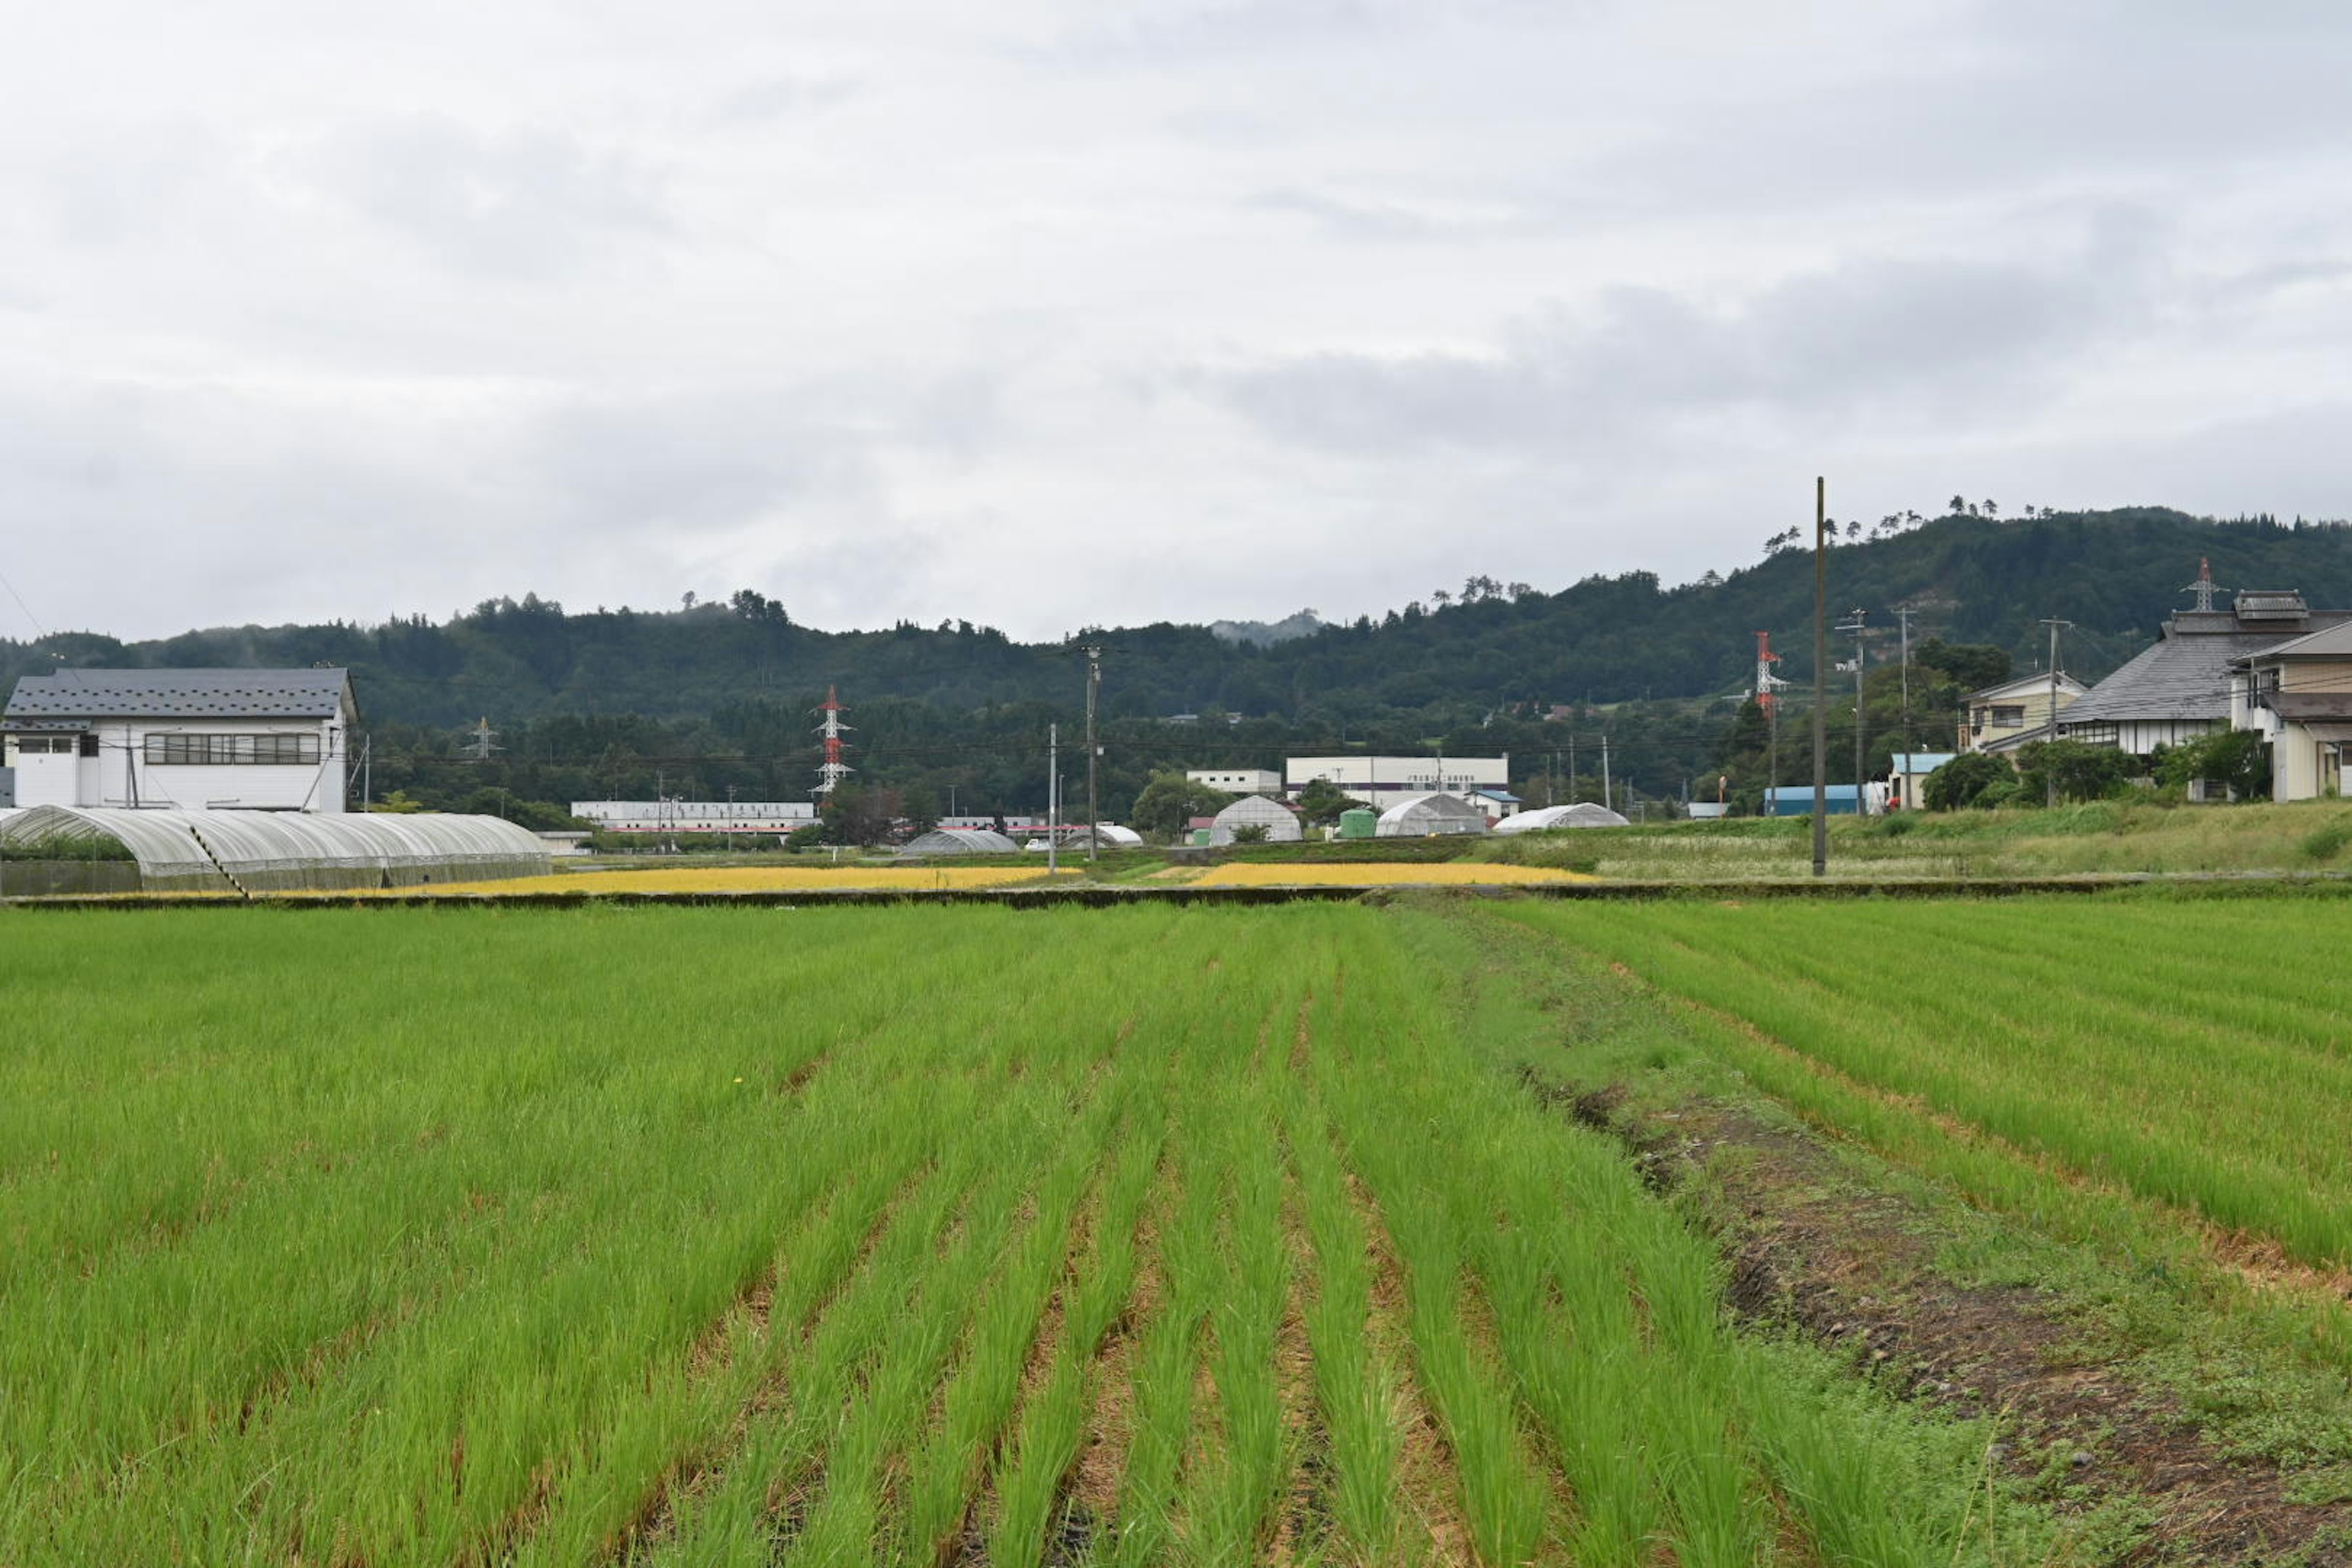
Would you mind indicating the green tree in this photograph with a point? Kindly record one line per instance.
(2234, 759)
(1321, 802)
(1169, 802)
(2080, 771)
(1971, 667)
(858, 814)
(1963, 781)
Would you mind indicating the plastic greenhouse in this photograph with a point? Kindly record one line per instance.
(1113, 837)
(1281, 823)
(280, 851)
(1426, 813)
(962, 841)
(1584, 814)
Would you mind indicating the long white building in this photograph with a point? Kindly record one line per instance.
(193, 740)
(696, 816)
(1383, 782)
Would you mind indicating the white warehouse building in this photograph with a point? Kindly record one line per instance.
(191, 740)
(1384, 782)
(1237, 781)
(705, 817)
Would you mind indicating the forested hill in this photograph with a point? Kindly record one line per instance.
(2115, 575)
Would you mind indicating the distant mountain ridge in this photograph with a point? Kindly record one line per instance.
(1265, 634)
(2115, 575)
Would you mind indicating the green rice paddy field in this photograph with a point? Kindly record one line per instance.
(926, 1234)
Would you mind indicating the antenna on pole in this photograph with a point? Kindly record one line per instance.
(1766, 684)
(1854, 626)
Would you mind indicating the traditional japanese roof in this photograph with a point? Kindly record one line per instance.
(2328, 642)
(2181, 677)
(69, 696)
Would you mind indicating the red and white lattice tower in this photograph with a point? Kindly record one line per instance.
(1766, 682)
(833, 770)
(2204, 587)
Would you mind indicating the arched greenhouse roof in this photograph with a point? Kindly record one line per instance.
(1113, 837)
(1427, 814)
(282, 850)
(962, 841)
(1281, 823)
(1584, 814)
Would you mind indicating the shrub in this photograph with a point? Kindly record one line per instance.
(1963, 781)
(2322, 842)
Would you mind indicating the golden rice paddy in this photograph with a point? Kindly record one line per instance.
(1363, 874)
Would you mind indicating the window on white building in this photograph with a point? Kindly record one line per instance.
(231, 751)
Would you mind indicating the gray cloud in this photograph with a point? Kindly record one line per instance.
(523, 202)
(1931, 338)
(1229, 305)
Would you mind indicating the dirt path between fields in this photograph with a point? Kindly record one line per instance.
(1855, 1270)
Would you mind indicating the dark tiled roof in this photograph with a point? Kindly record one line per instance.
(80, 694)
(2303, 705)
(2187, 674)
(2330, 642)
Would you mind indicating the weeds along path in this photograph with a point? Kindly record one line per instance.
(912, 1236)
(2166, 1045)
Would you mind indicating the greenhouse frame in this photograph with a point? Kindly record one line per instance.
(960, 841)
(1424, 814)
(1281, 823)
(286, 851)
(1584, 814)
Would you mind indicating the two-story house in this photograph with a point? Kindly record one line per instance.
(198, 740)
(2298, 697)
(2000, 718)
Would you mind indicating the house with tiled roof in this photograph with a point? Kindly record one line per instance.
(197, 740)
(2297, 695)
(2179, 690)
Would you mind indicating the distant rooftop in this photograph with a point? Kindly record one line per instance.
(46, 701)
(2186, 674)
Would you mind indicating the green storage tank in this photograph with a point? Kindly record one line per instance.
(1358, 824)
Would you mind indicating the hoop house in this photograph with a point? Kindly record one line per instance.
(1426, 813)
(1584, 814)
(960, 841)
(279, 851)
(1281, 823)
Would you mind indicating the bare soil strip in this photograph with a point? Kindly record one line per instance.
(1858, 1273)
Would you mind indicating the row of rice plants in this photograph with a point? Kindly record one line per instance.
(2104, 1036)
(740, 1236)
(498, 1309)
(1567, 1328)
(1095, 1291)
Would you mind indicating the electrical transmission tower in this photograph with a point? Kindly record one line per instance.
(833, 770)
(481, 742)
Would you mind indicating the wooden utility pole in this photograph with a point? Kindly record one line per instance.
(1854, 626)
(1094, 751)
(1821, 676)
(2050, 772)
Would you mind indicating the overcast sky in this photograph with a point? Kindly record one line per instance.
(1045, 314)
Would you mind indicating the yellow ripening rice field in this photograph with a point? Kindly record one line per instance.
(753, 880)
(1373, 874)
